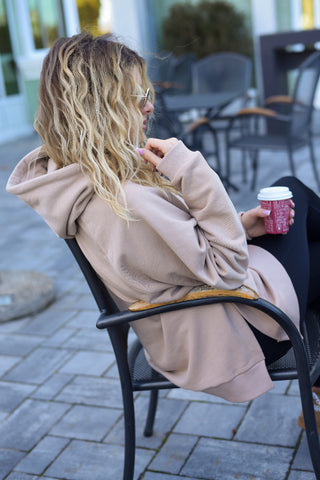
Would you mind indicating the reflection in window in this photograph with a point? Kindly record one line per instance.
(89, 11)
(307, 14)
(8, 77)
(47, 21)
(284, 15)
(295, 14)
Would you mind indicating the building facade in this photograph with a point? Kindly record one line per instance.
(28, 27)
(142, 28)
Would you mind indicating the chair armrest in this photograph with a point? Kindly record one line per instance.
(166, 85)
(244, 113)
(197, 123)
(278, 99)
(266, 112)
(238, 296)
(204, 291)
(203, 295)
(281, 100)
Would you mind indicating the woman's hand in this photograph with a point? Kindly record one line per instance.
(253, 220)
(155, 149)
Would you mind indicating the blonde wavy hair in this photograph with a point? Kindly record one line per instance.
(88, 113)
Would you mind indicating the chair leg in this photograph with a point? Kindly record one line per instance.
(291, 162)
(305, 388)
(244, 169)
(199, 143)
(227, 156)
(120, 347)
(255, 160)
(313, 162)
(311, 427)
(129, 435)
(217, 150)
(153, 401)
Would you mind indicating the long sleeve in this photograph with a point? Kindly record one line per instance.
(208, 202)
(176, 243)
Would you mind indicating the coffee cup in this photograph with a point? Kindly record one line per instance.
(277, 200)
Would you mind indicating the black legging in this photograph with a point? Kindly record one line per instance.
(299, 252)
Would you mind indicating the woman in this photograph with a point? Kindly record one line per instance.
(156, 221)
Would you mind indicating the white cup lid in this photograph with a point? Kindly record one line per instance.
(274, 193)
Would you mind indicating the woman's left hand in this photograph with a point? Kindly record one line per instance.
(155, 149)
(253, 220)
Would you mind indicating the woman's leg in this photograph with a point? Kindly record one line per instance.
(293, 249)
(299, 253)
(314, 281)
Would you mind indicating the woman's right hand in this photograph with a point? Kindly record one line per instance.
(155, 149)
(253, 220)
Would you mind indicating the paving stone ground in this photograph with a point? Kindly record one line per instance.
(60, 400)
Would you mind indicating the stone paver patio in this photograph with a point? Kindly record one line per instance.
(60, 400)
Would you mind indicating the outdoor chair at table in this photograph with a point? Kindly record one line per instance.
(223, 72)
(288, 127)
(172, 81)
(301, 362)
(170, 75)
(222, 80)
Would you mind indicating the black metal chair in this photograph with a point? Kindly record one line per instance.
(170, 75)
(220, 72)
(302, 362)
(288, 125)
(173, 76)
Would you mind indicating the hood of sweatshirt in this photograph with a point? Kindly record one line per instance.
(58, 195)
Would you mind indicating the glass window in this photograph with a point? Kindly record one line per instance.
(284, 15)
(295, 14)
(8, 74)
(47, 21)
(307, 14)
(89, 11)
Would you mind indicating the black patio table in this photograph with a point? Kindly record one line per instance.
(211, 102)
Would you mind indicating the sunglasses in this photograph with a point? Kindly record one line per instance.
(144, 98)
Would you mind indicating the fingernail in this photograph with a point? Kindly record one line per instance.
(266, 212)
(140, 150)
(292, 214)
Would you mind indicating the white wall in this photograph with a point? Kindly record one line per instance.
(132, 24)
(127, 23)
(264, 22)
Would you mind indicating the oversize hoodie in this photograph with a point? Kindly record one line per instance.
(173, 243)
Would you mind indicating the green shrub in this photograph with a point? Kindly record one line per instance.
(204, 28)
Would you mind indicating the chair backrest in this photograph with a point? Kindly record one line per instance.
(166, 67)
(100, 292)
(304, 93)
(177, 71)
(158, 66)
(222, 72)
(180, 72)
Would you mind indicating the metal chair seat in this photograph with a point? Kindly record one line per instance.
(268, 142)
(286, 368)
(143, 376)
